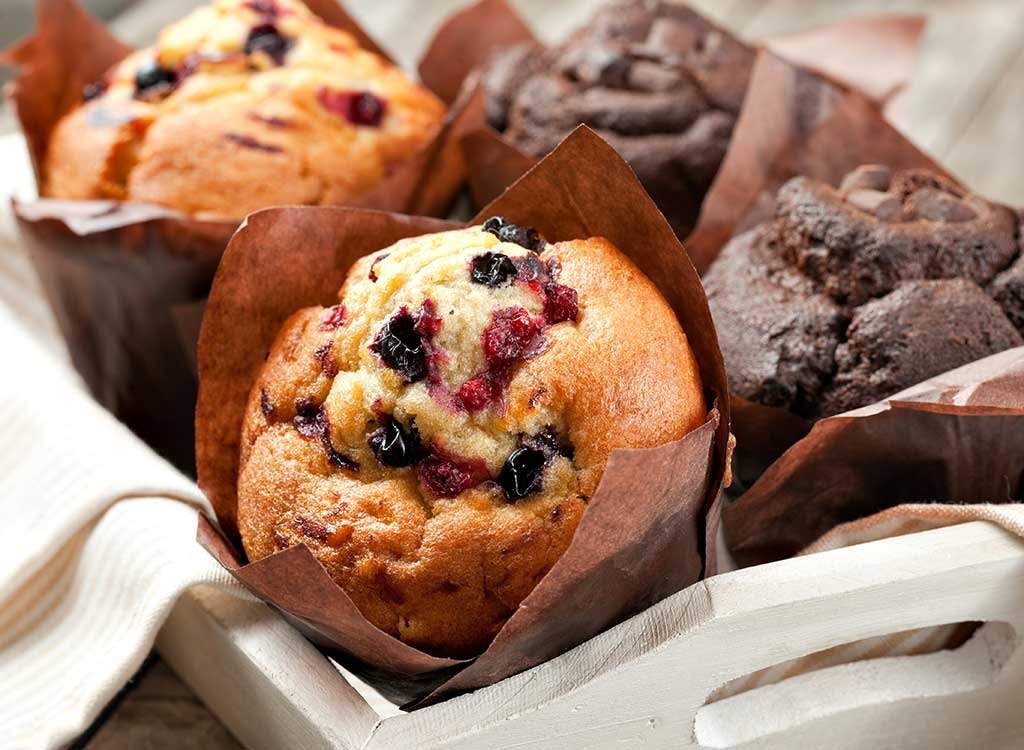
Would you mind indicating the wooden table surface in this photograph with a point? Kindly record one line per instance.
(962, 108)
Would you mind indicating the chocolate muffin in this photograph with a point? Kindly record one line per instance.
(854, 293)
(434, 438)
(241, 105)
(657, 81)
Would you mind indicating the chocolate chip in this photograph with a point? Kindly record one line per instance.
(866, 177)
(267, 39)
(506, 231)
(521, 474)
(395, 446)
(152, 78)
(883, 206)
(932, 204)
(493, 270)
(400, 347)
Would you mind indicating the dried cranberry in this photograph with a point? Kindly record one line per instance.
(506, 231)
(521, 474)
(334, 318)
(400, 347)
(151, 77)
(267, 39)
(560, 304)
(395, 446)
(512, 334)
(492, 270)
(358, 107)
(445, 477)
(94, 90)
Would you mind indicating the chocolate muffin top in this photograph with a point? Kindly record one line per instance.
(656, 80)
(854, 293)
(241, 105)
(435, 437)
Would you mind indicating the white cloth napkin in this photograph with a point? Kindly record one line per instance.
(98, 532)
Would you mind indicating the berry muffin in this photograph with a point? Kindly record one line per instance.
(434, 438)
(850, 295)
(657, 81)
(241, 105)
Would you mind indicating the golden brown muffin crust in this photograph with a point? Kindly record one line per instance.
(443, 570)
(249, 104)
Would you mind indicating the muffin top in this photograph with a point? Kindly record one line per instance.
(435, 437)
(657, 81)
(854, 293)
(241, 105)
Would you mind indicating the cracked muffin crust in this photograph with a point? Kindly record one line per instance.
(661, 84)
(435, 437)
(854, 293)
(241, 105)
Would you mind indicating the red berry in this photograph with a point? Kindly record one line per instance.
(333, 319)
(358, 107)
(445, 477)
(476, 393)
(561, 304)
(511, 335)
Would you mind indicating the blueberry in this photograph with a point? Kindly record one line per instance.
(401, 348)
(521, 474)
(506, 231)
(358, 107)
(395, 446)
(151, 75)
(267, 39)
(493, 270)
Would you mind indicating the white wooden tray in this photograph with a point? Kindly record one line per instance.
(646, 682)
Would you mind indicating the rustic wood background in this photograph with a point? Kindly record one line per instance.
(962, 108)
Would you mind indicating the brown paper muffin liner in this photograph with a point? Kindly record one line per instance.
(955, 438)
(792, 123)
(118, 275)
(874, 55)
(623, 557)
